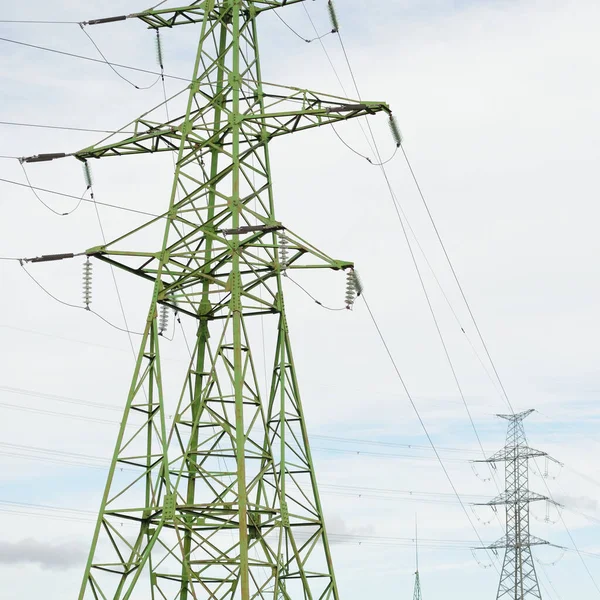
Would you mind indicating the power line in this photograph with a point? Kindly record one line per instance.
(90, 59)
(56, 398)
(26, 22)
(137, 87)
(393, 444)
(76, 305)
(570, 535)
(60, 214)
(131, 210)
(59, 127)
(420, 419)
(418, 270)
(307, 40)
(457, 280)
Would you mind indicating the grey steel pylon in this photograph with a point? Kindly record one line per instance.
(518, 579)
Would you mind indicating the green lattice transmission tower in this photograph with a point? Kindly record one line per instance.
(222, 503)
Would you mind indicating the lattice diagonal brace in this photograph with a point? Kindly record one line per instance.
(518, 579)
(222, 503)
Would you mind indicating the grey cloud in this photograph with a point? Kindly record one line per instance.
(46, 555)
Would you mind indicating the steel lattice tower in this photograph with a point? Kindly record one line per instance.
(417, 589)
(518, 579)
(222, 502)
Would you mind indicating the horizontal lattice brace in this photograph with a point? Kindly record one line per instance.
(145, 409)
(153, 518)
(197, 577)
(291, 469)
(138, 465)
(175, 295)
(190, 472)
(114, 568)
(307, 575)
(248, 455)
(217, 317)
(275, 421)
(219, 508)
(154, 458)
(223, 400)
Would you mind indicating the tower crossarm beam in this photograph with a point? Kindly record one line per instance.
(314, 112)
(509, 454)
(505, 542)
(196, 12)
(182, 270)
(504, 499)
(278, 119)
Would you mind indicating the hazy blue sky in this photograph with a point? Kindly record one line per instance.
(498, 104)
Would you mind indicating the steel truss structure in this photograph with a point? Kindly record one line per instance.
(518, 579)
(222, 502)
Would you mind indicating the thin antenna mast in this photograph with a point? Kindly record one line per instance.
(417, 590)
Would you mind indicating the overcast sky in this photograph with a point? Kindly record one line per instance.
(498, 105)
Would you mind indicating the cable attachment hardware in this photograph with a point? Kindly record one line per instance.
(163, 320)
(283, 251)
(354, 288)
(87, 283)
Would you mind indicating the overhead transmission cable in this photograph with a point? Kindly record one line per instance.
(88, 178)
(89, 200)
(421, 421)
(304, 39)
(91, 59)
(59, 127)
(595, 584)
(74, 305)
(398, 138)
(457, 280)
(33, 22)
(60, 214)
(382, 166)
(455, 276)
(463, 295)
(137, 87)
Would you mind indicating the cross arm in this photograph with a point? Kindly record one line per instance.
(195, 12)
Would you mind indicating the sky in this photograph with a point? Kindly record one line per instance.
(497, 103)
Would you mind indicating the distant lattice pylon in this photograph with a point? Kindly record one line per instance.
(518, 579)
